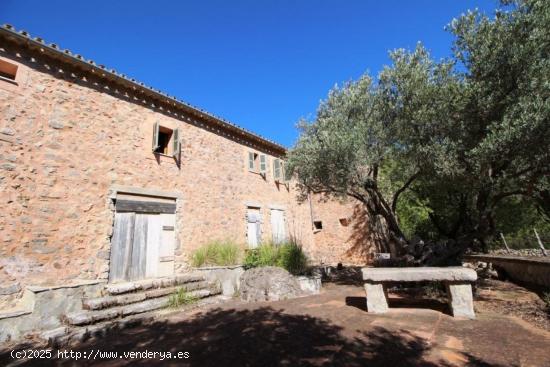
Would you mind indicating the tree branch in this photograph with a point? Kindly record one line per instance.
(403, 188)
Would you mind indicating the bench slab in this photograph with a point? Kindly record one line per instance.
(457, 281)
(448, 274)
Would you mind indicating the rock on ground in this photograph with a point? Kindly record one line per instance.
(268, 283)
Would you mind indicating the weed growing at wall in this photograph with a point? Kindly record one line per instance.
(181, 298)
(217, 253)
(289, 256)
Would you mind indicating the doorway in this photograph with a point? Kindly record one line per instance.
(278, 231)
(253, 227)
(142, 245)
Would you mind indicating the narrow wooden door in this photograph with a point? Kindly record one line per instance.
(278, 231)
(253, 227)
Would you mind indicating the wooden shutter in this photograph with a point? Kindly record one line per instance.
(156, 136)
(176, 144)
(263, 164)
(251, 161)
(277, 169)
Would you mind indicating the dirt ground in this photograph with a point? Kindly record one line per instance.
(507, 298)
(330, 329)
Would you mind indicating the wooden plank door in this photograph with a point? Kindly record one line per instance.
(278, 231)
(154, 239)
(121, 246)
(135, 246)
(167, 245)
(253, 227)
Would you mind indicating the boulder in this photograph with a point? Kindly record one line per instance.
(268, 283)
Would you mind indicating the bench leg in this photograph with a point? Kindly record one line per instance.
(376, 298)
(461, 300)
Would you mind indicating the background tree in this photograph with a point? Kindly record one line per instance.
(451, 139)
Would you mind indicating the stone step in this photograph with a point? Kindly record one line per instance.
(74, 334)
(142, 285)
(138, 296)
(93, 316)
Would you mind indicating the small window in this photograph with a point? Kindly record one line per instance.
(344, 222)
(318, 225)
(263, 164)
(252, 161)
(163, 140)
(280, 173)
(257, 163)
(166, 141)
(277, 170)
(8, 70)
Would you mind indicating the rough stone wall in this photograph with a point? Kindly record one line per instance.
(67, 137)
(346, 236)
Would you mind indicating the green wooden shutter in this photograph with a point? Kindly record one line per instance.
(277, 169)
(263, 164)
(156, 136)
(251, 161)
(176, 145)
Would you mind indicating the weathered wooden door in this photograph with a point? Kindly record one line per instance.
(253, 227)
(278, 231)
(143, 242)
(135, 239)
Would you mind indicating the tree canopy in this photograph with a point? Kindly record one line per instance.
(442, 143)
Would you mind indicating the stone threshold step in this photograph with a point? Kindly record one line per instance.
(64, 336)
(141, 285)
(91, 317)
(128, 298)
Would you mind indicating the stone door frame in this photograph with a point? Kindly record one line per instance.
(115, 190)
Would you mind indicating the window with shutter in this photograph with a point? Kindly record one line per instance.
(251, 161)
(156, 136)
(263, 164)
(277, 169)
(166, 141)
(176, 148)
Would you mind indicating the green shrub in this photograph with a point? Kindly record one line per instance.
(263, 255)
(292, 258)
(289, 256)
(251, 258)
(180, 298)
(220, 253)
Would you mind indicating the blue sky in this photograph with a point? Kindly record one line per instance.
(259, 64)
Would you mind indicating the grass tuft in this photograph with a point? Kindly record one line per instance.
(181, 297)
(217, 253)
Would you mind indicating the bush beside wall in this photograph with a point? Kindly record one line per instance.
(217, 253)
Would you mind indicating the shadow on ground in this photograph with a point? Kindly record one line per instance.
(259, 337)
(432, 304)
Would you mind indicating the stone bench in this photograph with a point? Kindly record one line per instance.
(457, 281)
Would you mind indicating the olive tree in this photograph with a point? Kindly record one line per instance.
(460, 135)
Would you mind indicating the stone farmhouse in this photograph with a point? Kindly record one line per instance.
(104, 179)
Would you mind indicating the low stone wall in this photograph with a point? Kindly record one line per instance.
(310, 284)
(531, 252)
(534, 271)
(41, 308)
(229, 279)
(227, 276)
